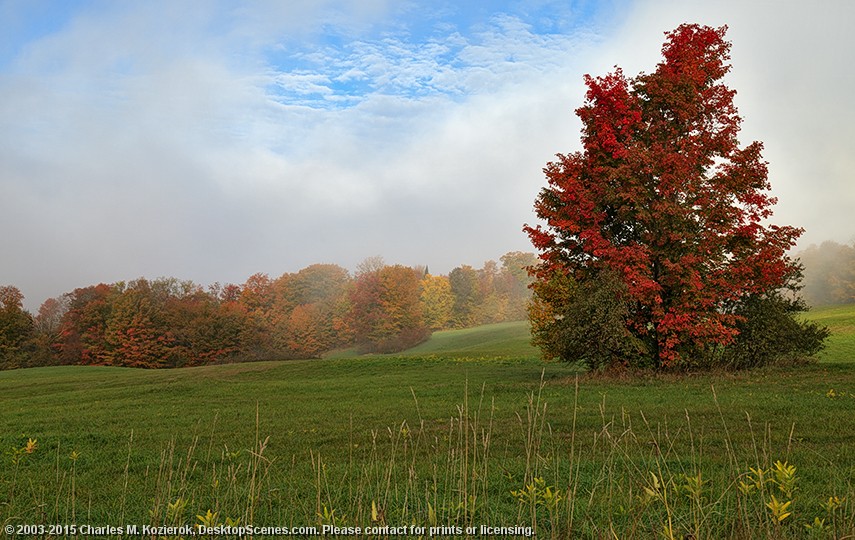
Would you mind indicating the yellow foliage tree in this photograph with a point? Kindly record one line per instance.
(437, 301)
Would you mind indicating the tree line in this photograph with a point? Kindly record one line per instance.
(167, 322)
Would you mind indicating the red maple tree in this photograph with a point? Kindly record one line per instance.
(663, 197)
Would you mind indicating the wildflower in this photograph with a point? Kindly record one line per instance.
(31, 446)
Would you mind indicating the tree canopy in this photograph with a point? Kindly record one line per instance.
(664, 208)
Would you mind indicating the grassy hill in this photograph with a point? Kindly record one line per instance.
(510, 340)
(469, 428)
(503, 340)
(841, 321)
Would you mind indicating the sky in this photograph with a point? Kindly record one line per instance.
(210, 140)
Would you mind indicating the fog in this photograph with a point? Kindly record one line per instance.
(206, 142)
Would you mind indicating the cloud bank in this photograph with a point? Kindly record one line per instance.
(211, 141)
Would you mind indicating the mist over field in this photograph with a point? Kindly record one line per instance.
(210, 141)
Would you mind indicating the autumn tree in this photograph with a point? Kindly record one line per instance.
(205, 327)
(306, 331)
(664, 205)
(316, 283)
(257, 299)
(313, 308)
(136, 333)
(83, 328)
(491, 305)
(465, 286)
(437, 301)
(16, 328)
(49, 317)
(386, 311)
(46, 326)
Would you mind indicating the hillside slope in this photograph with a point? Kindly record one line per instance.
(509, 340)
(512, 340)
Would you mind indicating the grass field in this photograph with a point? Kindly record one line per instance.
(841, 321)
(468, 429)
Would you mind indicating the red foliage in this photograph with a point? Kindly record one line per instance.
(662, 194)
(83, 327)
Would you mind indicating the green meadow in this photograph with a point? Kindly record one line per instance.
(841, 344)
(469, 429)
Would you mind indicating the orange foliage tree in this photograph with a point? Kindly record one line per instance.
(386, 313)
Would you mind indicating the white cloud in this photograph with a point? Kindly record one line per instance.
(210, 142)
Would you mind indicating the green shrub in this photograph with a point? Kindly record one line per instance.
(771, 332)
(584, 322)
